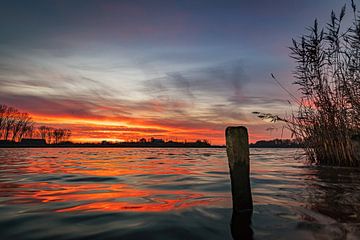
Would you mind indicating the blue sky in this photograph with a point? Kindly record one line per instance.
(189, 68)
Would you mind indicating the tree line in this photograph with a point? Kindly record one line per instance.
(16, 125)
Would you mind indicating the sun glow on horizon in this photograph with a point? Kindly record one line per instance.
(85, 130)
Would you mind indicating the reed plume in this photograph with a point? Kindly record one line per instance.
(328, 76)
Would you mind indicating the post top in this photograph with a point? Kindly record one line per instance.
(234, 127)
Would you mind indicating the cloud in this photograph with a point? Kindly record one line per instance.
(36, 74)
(195, 103)
(49, 106)
(219, 80)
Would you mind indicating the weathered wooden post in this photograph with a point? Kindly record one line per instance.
(237, 148)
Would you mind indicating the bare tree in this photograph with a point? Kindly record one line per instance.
(45, 133)
(57, 134)
(9, 121)
(61, 135)
(15, 125)
(49, 135)
(28, 132)
(22, 124)
(3, 110)
(67, 135)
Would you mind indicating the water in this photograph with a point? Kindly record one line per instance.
(170, 194)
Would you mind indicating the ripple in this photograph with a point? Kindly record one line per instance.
(92, 179)
(170, 194)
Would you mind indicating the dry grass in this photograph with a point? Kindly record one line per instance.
(328, 76)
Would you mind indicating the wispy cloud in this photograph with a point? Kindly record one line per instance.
(197, 103)
(123, 69)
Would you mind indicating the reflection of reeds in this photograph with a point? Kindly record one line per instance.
(328, 76)
(334, 193)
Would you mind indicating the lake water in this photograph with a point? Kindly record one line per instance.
(170, 194)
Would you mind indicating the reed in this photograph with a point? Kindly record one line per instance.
(328, 76)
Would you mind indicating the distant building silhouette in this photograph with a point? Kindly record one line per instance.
(104, 142)
(276, 143)
(33, 142)
(155, 140)
(142, 140)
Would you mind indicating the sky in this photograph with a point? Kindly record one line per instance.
(181, 70)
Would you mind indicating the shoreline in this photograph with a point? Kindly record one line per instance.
(3, 147)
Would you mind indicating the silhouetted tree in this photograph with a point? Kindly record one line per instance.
(13, 124)
(28, 132)
(45, 133)
(3, 109)
(9, 121)
(23, 123)
(60, 135)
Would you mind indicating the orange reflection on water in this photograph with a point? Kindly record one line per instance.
(167, 205)
(107, 166)
(109, 180)
(106, 197)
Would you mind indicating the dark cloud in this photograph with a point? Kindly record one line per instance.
(88, 59)
(264, 101)
(220, 80)
(92, 107)
(49, 106)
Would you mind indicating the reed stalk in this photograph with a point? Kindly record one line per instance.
(328, 76)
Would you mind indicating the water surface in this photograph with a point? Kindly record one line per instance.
(170, 194)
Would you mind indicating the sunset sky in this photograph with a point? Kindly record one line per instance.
(121, 70)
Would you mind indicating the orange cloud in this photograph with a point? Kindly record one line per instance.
(96, 129)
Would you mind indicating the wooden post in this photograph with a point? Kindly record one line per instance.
(237, 148)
